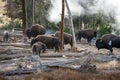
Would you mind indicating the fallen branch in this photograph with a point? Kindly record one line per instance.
(51, 55)
(6, 57)
(15, 44)
(21, 71)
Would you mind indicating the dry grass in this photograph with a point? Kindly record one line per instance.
(66, 74)
(108, 65)
(2, 78)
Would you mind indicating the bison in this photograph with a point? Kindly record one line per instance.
(67, 38)
(88, 34)
(108, 41)
(51, 42)
(38, 47)
(6, 36)
(35, 30)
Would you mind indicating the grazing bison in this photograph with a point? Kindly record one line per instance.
(35, 30)
(108, 41)
(51, 42)
(38, 47)
(6, 36)
(67, 38)
(88, 34)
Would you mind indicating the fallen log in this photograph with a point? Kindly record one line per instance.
(4, 51)
(15, 44)
(6, 57)
(20, 71)
(84, 67)
(65, 55)
(59, 62)
(43, 55)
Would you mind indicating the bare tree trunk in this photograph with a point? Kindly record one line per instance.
(62, 26)
(24, 16)
(24, 19)
(26, 12)
(80, 22)
(30, 13)
(33, 12)
(72, 27)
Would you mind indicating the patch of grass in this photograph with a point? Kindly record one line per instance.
(66, 74)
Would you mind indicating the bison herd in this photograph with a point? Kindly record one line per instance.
(40, 41)
(37, 31)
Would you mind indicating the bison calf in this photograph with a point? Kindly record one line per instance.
(38, 47)
(88, 34)
(108, 41)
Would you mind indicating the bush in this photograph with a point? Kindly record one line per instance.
(67, 30)
(104, 30)
(17, 23)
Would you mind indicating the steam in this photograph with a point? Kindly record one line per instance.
(54, 13)
(81, 7)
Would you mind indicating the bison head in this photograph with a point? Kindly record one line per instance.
(33, 41)
(28, 33)
(100, 44)
(95, 34)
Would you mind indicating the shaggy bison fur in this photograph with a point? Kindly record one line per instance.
(108, 41)
(51, 42)
(67, 38)
(35, 30)
(88, 34)
(38, 47)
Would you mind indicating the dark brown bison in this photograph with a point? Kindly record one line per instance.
(51, 42)
(35, 30)
(6, 36)
(88, 34)
(67, 38)
(38, 47)
(108, 41)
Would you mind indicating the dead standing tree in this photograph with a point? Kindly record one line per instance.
(72, 27)
(33, 12)
(62, 26)
(24, 19)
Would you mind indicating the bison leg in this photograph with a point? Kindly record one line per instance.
(110, 50)
(44, 47)
(89, 40)
(57, 48)
(71, 44)
(110, 53)
(44, 50)
(39, 53)
(110, 47)
(34, 52)
(79, 38)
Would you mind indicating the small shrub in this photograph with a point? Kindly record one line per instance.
(104, 30)
(67, 29)
(17, 23)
